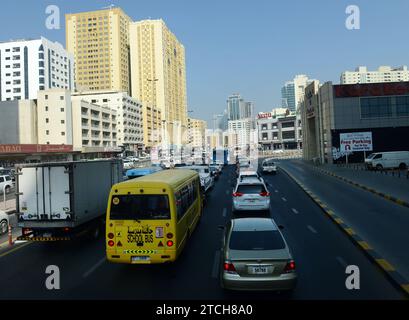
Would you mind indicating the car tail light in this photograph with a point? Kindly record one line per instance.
(169, 235)
(290, 267)
(110, 236)
(169, 243)
(111, 243)
(229, 267)
(265, 194)
(237, 194)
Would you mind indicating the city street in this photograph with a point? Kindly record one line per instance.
(321, 251)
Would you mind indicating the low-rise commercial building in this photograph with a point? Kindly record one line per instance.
(279, 131)
(381, 109)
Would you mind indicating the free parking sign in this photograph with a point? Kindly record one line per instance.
(355, 141)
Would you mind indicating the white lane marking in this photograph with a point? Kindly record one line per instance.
(342, 262)
(276, 191)
(284, 199)
(216, 264)
(295, 211)
(312, 229)
(95, 267)
(224, 212)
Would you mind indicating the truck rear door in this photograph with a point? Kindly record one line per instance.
(44, 193)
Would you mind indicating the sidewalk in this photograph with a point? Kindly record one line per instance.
(392, 187)
(9, 206)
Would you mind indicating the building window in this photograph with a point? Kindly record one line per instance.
(62, 98)
(265, 136)
(46, 108)
(63, 133)
(379, 107)
(62, 109)
(288, 135)
(402, 106)
(287, 125)
(62, 121)
(47, 132)
(46, 97)
(47, 120)
(264, 127)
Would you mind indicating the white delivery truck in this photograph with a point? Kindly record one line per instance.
(62, 200)
(388, 160)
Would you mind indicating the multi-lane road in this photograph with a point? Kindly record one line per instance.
(321, 250)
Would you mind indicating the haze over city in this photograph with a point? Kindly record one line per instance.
(244, 47)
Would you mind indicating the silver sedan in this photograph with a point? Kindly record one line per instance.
(255, 256)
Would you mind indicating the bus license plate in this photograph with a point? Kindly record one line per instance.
(141, 258)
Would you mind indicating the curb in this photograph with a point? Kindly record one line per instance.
(364, 187)
(388, 269)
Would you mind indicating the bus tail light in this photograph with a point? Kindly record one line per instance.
(111, 243)
(110, 235)
(169, 235)
(169, 243)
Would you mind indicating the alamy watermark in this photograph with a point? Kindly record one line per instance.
(353, 21)
(53, 20)
(353, 280)
(52, 282)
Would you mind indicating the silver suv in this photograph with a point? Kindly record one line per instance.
(251, 195)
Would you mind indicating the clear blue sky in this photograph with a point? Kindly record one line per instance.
(250, 47)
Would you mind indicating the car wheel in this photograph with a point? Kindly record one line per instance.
(8, 190)
(379, 167)
(402, 166)
(3, 227)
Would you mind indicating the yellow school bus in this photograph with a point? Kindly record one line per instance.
(149, 219)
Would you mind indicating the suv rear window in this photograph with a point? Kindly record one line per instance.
(256, 240)
(251, 188)
(268, 164)
(140, 207)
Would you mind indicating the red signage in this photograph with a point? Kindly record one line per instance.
(264, 115)
(372, 89)
(34, 148)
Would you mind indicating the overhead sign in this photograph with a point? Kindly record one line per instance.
(355, 141)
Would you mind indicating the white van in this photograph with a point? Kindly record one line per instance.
(388, 160)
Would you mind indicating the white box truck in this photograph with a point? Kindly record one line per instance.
(62, 200)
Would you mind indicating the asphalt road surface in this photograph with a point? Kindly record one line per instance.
(321, 251)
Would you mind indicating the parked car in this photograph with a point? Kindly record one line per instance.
(251, 195)
(255, 256)
(269, 166)
(128, 164)
(4, 222)
(388, 160)
(6, 184)
(206, 180)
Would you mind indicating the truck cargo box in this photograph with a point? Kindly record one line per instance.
(64, 194)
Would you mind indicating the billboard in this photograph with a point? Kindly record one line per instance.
(355, 141)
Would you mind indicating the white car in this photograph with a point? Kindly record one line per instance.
(251, 195)
(4, 222)
(206, 179)
(6, 184)
(388, 160)
(269, 166)
(249, 174)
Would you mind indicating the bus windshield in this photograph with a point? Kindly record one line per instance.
(140, 207)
